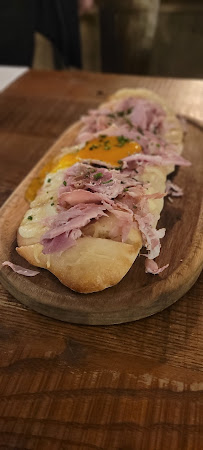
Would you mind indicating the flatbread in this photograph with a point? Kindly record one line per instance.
(96, 261)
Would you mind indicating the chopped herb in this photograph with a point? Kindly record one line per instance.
(140, 130)
(51, 198)
(111, 115)
(52, 204)
(158, 145)
(64, 182)
(120, 113)
(138, 137)
(134, 206)
(122, 140)
(128, 122)
(107, 147)
(122, 182)
(49, 180)
(105, 182)
(29, 217)
(98, 175)
(102, 136)
(129, 110)
(93, 147)
(125, 189)
(120, 161)
(106, 142)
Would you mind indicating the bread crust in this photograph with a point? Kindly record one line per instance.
(96, 262)
(93, 264)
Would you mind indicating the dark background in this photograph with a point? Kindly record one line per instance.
(113, 36)
(55, 19)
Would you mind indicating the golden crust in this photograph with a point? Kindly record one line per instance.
(93, 264)
(97, 262)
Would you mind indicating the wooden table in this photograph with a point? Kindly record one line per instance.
(134, 386)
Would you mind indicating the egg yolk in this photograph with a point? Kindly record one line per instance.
(37, 182)
(109, 149)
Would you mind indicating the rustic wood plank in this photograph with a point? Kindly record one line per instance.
(136, 385)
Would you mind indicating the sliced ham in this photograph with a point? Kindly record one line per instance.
(21, 270)
(159, 160)
(111, 183)
(79, 196)
(68, 224)
(152, 267)
(118, 192)
(140, 194)
(173, 190)
(151, 236)
(75, 217)
(61, 242)
(132, 113)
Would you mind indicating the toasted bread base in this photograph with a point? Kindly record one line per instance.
(93, 264)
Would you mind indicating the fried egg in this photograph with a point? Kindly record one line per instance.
(108, 149)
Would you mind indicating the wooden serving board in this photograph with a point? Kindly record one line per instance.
(138, 295)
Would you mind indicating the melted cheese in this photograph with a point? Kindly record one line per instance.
(44, 205)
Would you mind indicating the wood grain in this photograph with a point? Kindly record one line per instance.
(62, 386)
